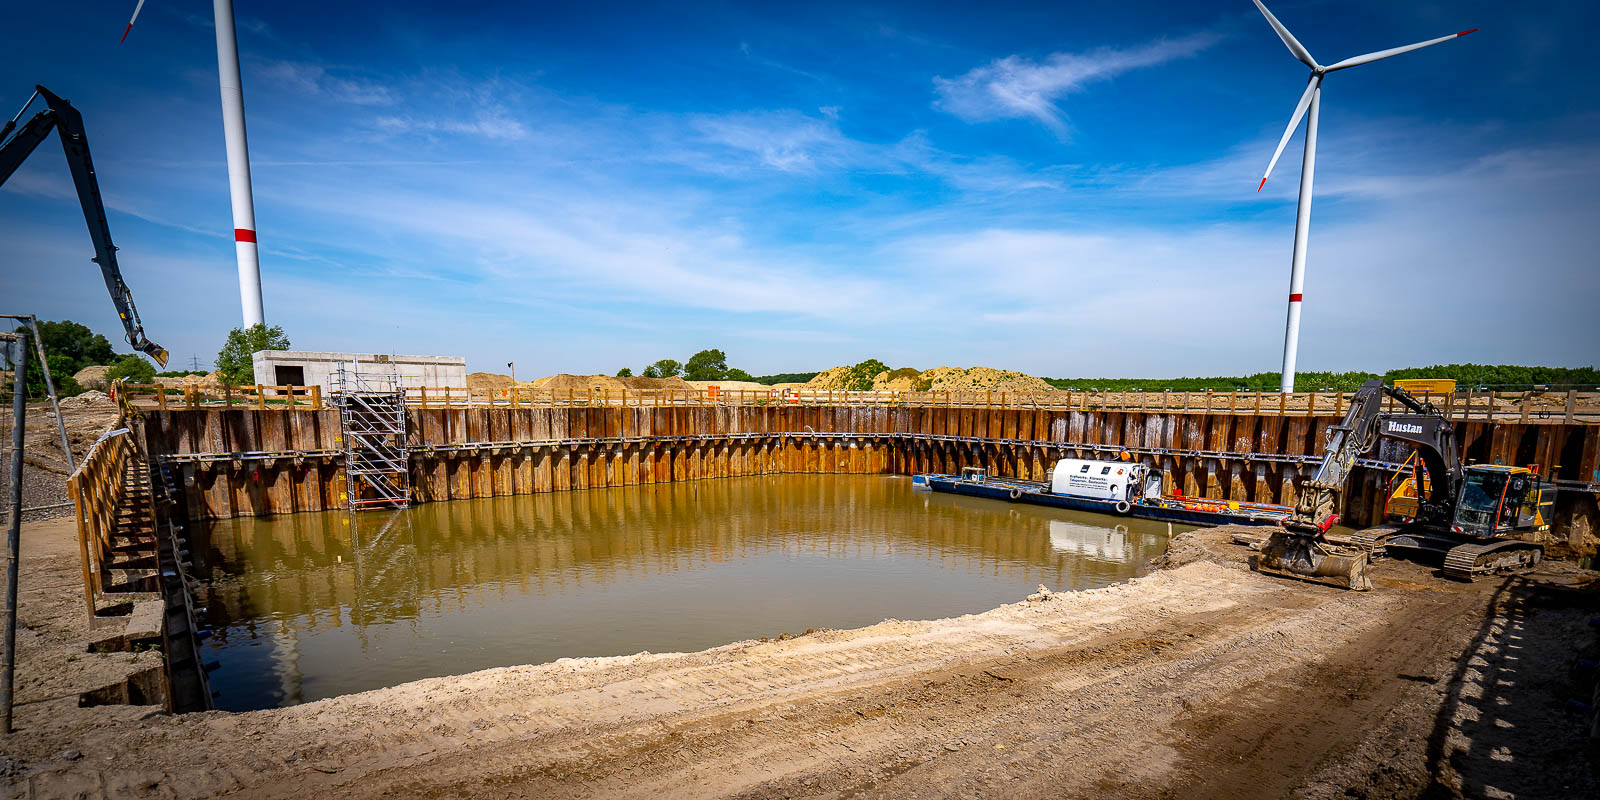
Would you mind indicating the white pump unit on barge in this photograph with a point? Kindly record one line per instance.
(1126, 488)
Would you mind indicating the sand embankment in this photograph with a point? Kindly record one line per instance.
(1201, 680)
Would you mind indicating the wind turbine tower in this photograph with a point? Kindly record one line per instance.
(244, 207)
(1311, 101)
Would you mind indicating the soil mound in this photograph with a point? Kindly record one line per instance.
(983, 379)
(731, 386)
(1215, 545)
(939, 379)
(92, 399)
(583, 383)
(95, 377)
(489, 380)
(830, 379)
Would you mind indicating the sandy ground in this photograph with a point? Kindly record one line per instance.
(1199, 680)
(44, 476)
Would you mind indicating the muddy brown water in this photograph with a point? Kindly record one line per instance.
(308, 606)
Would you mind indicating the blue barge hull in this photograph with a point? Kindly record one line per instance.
(1183, 511)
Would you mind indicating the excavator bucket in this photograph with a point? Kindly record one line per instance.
(1310, 558)
(156, 353)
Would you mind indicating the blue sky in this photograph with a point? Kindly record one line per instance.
(1062, 188)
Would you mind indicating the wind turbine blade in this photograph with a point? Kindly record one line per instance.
(1289, 41)
(129, 29)
(1294, 122)
(1394, 51)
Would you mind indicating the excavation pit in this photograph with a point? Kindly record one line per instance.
(315, 605)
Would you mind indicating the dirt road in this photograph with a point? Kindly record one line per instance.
(1200, 680)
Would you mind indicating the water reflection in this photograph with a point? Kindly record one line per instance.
(313, 605)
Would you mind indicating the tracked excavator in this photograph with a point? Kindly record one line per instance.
(60, 116)
(1467, 515)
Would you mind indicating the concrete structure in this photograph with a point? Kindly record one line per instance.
(303, 368)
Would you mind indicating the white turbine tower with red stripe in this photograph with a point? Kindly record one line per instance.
(244, 209)
(1312, 101)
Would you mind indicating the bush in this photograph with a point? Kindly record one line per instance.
(861, 375)
(665, 368)
(234, 366)
(132, 369)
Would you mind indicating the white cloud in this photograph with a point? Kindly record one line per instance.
(1015, 87)
(314, 80)
(787, 141)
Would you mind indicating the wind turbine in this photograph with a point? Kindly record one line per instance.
(244, 208)
(1312, 101)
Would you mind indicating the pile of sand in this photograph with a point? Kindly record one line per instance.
(905, 379)
(731, 386)
(491, 380)
(983, 379)
(939, 379)
(92, 399)
(94, 377)
(830, 379)
(583, 383)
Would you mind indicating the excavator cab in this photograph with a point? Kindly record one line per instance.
(1500, 501)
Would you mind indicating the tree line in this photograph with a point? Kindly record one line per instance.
(706, 365)
(1466, 376)
(70, 347)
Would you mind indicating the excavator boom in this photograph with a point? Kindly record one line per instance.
(60, 116)
(1304, 549)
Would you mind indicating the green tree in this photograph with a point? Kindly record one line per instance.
(83, 347)
(861, 375)
(665, 368)
(234, 366)
(132, 369)
(736, 374)
(625, 372)
(62, 364)
(707, 365)
(786, 377)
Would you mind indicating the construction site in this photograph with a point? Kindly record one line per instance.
(337, 573)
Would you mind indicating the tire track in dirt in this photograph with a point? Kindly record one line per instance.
(1203, 680)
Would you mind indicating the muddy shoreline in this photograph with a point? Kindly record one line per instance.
(1200, 679)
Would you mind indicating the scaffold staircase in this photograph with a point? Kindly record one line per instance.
(372, 424)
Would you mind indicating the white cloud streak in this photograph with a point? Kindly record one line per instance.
(1015, 87)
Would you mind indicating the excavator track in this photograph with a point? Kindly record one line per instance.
(1468, 561)
(1372, 540)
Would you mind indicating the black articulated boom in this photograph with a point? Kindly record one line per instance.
(1304, 549)
(60, 116)
(1421, 425)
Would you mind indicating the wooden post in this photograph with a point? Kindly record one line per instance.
(1524, 405)
(161, 395)
(261, 398)
(316, 395)
(1572, 404)
(227, 395)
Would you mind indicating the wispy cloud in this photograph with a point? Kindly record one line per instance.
(314, 80)
(1015, 87)
(787, 141)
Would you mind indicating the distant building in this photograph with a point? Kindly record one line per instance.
(304, 368)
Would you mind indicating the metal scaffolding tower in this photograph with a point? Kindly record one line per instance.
(372, 419)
